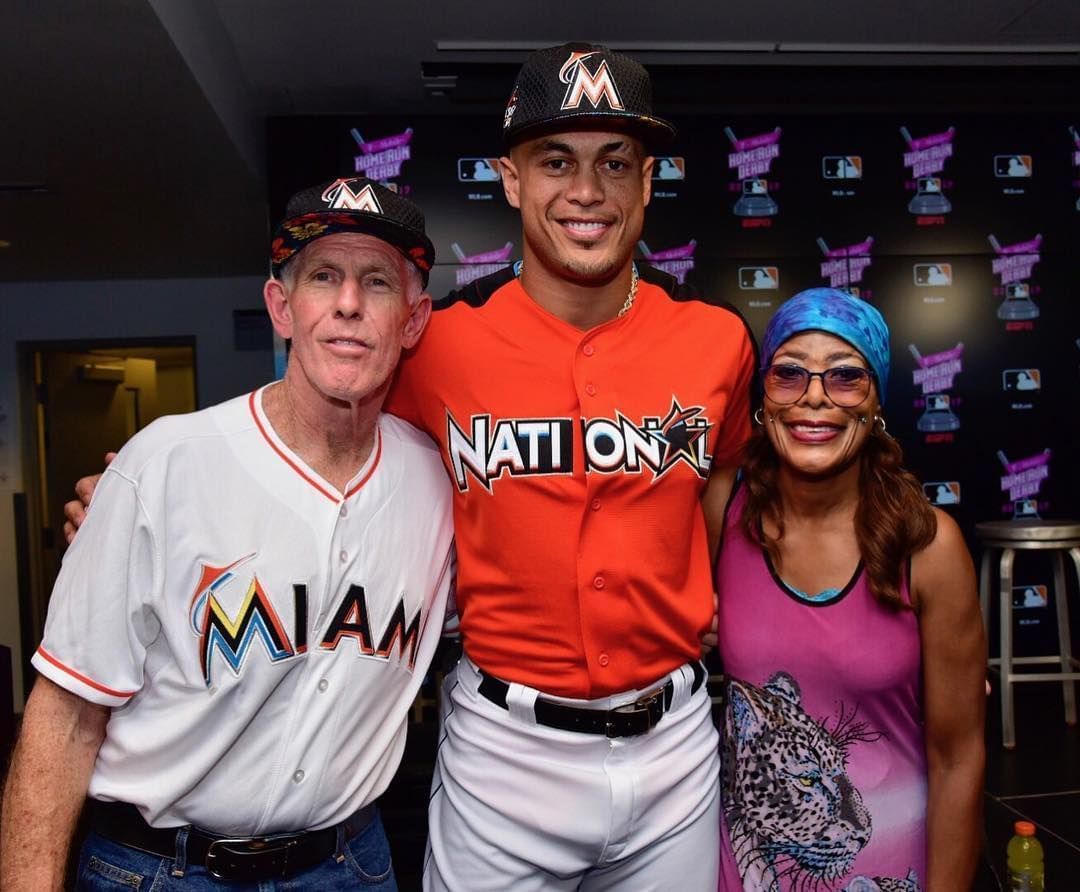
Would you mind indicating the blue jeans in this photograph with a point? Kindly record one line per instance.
(363, 862)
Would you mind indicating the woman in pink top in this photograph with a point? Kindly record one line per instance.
(850, 632)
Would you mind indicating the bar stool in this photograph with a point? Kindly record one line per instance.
(1055, 536)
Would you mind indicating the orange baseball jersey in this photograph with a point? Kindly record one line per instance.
(578, 460)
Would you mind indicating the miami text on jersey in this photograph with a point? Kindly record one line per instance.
(232, 637)
(487, 448)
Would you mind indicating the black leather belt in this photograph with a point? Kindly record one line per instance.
(622, 721)
(248, 859)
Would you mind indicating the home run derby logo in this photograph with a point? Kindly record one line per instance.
(381, 159)
(1022, 480)
(476, 266)
(232, 637)
(488, 449)
(844, 267)
(676, 261)
(751, 158)
(935, 376)
(584, 84)
(340, 196)
(1074, 134)
(1014, 264)
(926, 156)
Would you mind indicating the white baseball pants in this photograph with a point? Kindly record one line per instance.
(520, 806)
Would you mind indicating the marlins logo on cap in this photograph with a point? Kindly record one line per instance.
(581, 85)
(354, 204)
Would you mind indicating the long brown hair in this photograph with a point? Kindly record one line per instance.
(893, 519)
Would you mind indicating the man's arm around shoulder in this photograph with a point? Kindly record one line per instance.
(50, 772)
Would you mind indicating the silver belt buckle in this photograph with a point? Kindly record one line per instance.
(248, 847)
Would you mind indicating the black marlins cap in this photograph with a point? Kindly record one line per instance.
(356, 204)
(576, 84)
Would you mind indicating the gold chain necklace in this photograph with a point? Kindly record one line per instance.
(630, 295)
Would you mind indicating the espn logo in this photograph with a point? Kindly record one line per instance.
(841, 167)
(669, 167)
(759, 278)
(942, 492)
(1012, 167)
(478, 170)
(932, 275)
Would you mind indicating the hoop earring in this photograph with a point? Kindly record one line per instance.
(883, 432)
(758, 419)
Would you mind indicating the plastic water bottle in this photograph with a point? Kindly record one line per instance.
(1025, 859)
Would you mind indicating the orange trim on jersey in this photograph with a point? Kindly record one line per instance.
(371, 470)
(262, 430)
(87, 681)
(333, 497)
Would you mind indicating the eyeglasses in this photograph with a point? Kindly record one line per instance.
(845, 385)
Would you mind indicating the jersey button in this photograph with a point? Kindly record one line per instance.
(595, 505)
(604, 660)
(588, 349)
(598, 582)
(590, 389)
(343, 555)
(323, 685)
(298, 776)
(343, 511)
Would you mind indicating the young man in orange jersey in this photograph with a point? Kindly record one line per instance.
(590, 413)
(588, 410)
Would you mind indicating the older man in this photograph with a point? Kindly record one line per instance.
(242, 623)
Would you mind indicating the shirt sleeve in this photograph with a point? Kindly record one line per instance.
(735, 427)
(100, 618)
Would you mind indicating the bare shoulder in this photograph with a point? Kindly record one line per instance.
(943, 570)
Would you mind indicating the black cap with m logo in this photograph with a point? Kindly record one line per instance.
(579, 86)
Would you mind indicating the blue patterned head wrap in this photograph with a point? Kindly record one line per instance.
(837, 313)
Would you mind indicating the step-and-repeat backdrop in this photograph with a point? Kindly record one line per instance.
(964, 231)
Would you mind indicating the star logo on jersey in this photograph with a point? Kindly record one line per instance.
(680, 431)
(585, 84)
(341, 196)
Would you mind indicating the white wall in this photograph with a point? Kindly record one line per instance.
(65, 311)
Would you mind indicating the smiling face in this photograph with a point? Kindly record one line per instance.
(582, 198)
(350, 304)
(813, 436)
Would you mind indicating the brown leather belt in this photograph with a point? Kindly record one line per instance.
(622, 721)
(248, 859)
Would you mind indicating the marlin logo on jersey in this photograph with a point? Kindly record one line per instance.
(584, 84)
(232, 637)
(341, 196)
(488, 449)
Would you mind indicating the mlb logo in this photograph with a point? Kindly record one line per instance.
(1025, 596)
(669, 167)
(1018, 291)
(1025, 508)
(841, 167)
(1012, 166)
(1017, 380)
(478, 170)
(942, 492)
(757, 278)
(937, 402)
(932, 275)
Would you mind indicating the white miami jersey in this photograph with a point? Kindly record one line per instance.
(259, 636)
